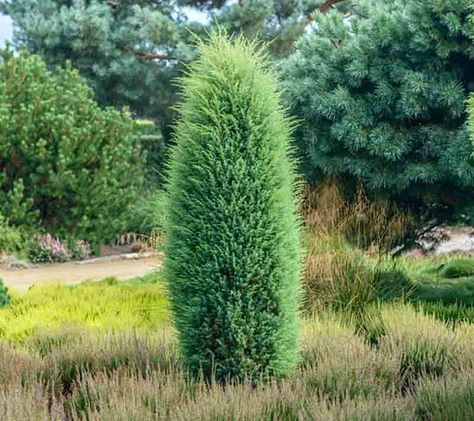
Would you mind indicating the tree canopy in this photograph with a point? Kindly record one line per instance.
(130, 51)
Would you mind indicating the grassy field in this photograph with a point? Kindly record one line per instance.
(106, 351)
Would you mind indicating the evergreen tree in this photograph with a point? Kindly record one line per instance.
(381, 96)
(130, 51)
(126, 50)
(66, 163)
(232, 240)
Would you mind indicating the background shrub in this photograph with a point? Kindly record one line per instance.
(4, 295)
(12, 240)
(67, 164)
(232, 245)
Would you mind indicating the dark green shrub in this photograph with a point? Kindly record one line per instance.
(4, 296)
(232, 246)
(66, 163)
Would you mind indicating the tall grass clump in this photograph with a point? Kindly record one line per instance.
(348, 263)
(232, 232)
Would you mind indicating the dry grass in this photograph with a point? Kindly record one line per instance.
(347, 265)
(140, 243)
(376, 226)
(89, 374)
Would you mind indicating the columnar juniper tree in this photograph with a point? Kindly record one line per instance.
(232, 248)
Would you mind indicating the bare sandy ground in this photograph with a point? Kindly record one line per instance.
(73, 273)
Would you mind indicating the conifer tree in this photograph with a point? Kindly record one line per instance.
(130, 51)
(232, 235)
(381, 96)
(67, 164)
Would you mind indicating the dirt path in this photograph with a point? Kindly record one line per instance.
(73, 273)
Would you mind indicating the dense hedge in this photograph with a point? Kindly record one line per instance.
(232, 247)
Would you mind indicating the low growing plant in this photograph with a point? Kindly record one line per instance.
(79, 249)
(48, 249)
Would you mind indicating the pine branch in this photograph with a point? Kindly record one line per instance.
(322, 8)
(142, 56)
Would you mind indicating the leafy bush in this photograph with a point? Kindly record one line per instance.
(79, 249)
(381, 97)
(232, 245)
(48, 249)
(65, 162)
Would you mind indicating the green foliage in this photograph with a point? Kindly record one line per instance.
(382, 99)
(148, 214)
(445, 280)
(67, 164)
(130, 51)
(470, 115)
(153, 146)
(232, 246)
(109, 43)
(12, 240)
(4, 295)
(457, 268)
(453, 313)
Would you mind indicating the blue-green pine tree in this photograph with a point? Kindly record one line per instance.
(381, 96)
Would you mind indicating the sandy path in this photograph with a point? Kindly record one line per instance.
(73, 273)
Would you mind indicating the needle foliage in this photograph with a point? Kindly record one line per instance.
(232, 246)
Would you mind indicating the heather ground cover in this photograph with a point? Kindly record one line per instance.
(107, 350)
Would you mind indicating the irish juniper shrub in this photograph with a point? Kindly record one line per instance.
(232, 246)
